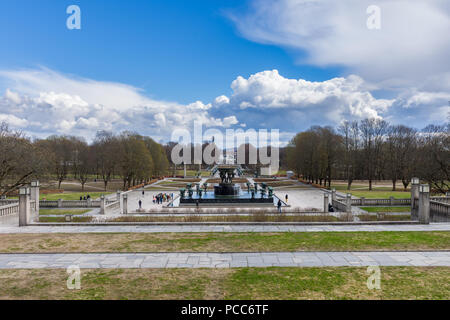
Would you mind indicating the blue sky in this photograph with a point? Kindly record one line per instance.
(157, 66)
(176, 50)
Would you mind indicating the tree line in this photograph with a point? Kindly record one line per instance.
(134, 158)
(372, 149)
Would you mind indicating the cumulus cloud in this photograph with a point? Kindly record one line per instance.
(333, 99)
(264, 100)
(46, 102)
(269, 100)
(411, 43)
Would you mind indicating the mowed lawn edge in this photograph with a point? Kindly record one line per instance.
(224, 242)
(239, 283)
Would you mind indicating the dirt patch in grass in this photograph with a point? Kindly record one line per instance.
(63, 219)
(387, 209)
(384, 217)
(224, 242)
(229, 218)
(240, 283)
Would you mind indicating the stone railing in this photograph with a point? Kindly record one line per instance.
(445, 199)
(112, 207)
(381, 202)
(4, 202)
(33, 205)
(340, 206)
(69, 203)
(439, 211)
(9, 209)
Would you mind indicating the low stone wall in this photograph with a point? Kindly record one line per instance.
(9, 209)
(72, 203)
(439, 211)
(381, 202)
(445, 199)
(112, 207)
(340, 206)
(4, 202)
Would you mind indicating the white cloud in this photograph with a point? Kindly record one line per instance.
(411, 44)
(338, 96)
(50, 102)
(12, 96)
(265, 100)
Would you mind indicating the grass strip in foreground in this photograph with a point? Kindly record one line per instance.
(242, 283)
(225, 242)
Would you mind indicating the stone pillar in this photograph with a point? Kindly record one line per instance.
(24, 206)
(415, 198)
(184, 169)
(363, 201)
(89, 202)
(102, 204)
(424, 204)
(60, 203)
(326, 202)
(125, 204)
(333, 194)
(118, 195)
(35, 197)
(391, 201)
(348, 203)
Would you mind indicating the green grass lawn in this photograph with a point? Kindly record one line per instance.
(387, 209)
(72, 195)
(44, 212)
(381, 194)
(224, 242)
(237, 283)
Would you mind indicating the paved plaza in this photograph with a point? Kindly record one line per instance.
(303, 196)
(225, 260)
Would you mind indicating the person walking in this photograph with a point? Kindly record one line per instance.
(140, 204)
(286, 198)
(279, 206)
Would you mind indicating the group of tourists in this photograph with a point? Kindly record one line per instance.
(162, 197)
(85, 198)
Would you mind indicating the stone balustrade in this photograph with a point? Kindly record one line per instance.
(9, 209)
